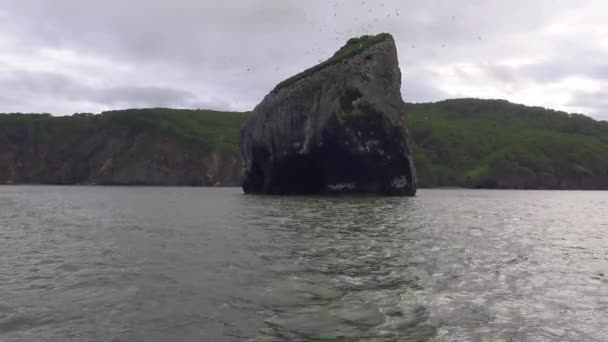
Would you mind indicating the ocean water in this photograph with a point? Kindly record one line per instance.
(201, 264)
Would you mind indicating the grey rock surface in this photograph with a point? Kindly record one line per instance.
(115, 159)
(335, 128)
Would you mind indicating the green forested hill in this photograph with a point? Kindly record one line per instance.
(141, 146)
(465, 143)
(498, 144)
(206, 129)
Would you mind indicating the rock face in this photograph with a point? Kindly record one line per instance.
(104, 157)
(335, 128)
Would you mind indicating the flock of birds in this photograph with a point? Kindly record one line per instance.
(374, 18)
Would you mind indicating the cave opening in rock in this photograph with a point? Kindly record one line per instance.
(254, 182)
(299, 174)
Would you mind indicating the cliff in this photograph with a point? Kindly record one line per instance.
(456, 143)
(464, 143)
(335, 128)
(133, 147)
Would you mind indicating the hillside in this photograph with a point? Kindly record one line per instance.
(130, 147)
(498, 144)
(464, 143)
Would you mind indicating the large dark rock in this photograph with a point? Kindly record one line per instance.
(337, 127)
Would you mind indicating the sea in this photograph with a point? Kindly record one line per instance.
(212, 264)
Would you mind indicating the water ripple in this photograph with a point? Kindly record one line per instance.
(158, 264)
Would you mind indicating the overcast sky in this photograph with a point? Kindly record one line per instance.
(66, 56)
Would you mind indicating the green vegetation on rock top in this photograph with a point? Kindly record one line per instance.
(353, 47)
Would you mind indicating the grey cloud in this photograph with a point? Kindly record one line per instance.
(143, 96)
(18, 81)
(228, 54)
(569, 57)
(420, 88)
(502, 73)
(601, 71)
(561, 67)
(137, 97)
(7, 101)
(38, 86)
(598, 101)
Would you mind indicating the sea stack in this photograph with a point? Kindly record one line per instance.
(337, 127)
